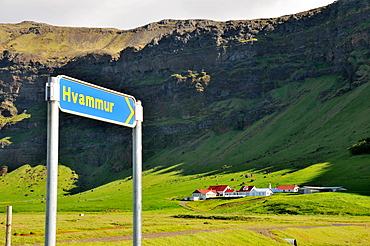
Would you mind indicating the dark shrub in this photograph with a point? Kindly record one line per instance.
(361, 147)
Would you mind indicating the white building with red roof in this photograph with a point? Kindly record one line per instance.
(231, 193)
(226, 191)
(220, 189)
(246, 190)
(288, 188)
(200, 194)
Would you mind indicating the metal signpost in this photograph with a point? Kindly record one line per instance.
(84, 99)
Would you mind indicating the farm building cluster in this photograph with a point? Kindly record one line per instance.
(227, 192)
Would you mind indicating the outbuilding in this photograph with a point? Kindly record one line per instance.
(288, 188)
(261, 192)
(313, 189)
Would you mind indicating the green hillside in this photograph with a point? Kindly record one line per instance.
(280, 99)
(163, 188)
(308, 131)
(305, 144)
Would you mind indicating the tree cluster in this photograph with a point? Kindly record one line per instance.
(361, 147)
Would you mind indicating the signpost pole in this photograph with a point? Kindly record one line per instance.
(100, 104)
(137, 170)
(9, 216)
(52, 98)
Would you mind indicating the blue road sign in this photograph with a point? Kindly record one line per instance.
(92, 101)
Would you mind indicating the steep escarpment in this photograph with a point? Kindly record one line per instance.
(247, 59)
(194, 77)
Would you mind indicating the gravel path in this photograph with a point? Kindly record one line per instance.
(183, 204)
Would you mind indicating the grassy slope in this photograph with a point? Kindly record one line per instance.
(162, 187)
(309, 131)
(28, 185)
(304, 144)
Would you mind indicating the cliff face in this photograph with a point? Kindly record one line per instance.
(191, 75)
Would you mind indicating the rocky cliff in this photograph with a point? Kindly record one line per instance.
(191, 75)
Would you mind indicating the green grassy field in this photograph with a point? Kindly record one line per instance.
(24, 188)
(165, 229)
(253, 221)
(107, 210)
(304, 144)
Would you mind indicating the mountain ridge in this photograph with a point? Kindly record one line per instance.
(156, 30)
(197, 80)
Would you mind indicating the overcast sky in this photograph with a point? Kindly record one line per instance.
(128, 14)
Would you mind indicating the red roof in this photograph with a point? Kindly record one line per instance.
(205, 191)
(232, 190)
(218, 187)
(246, 188)
(287, 187)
